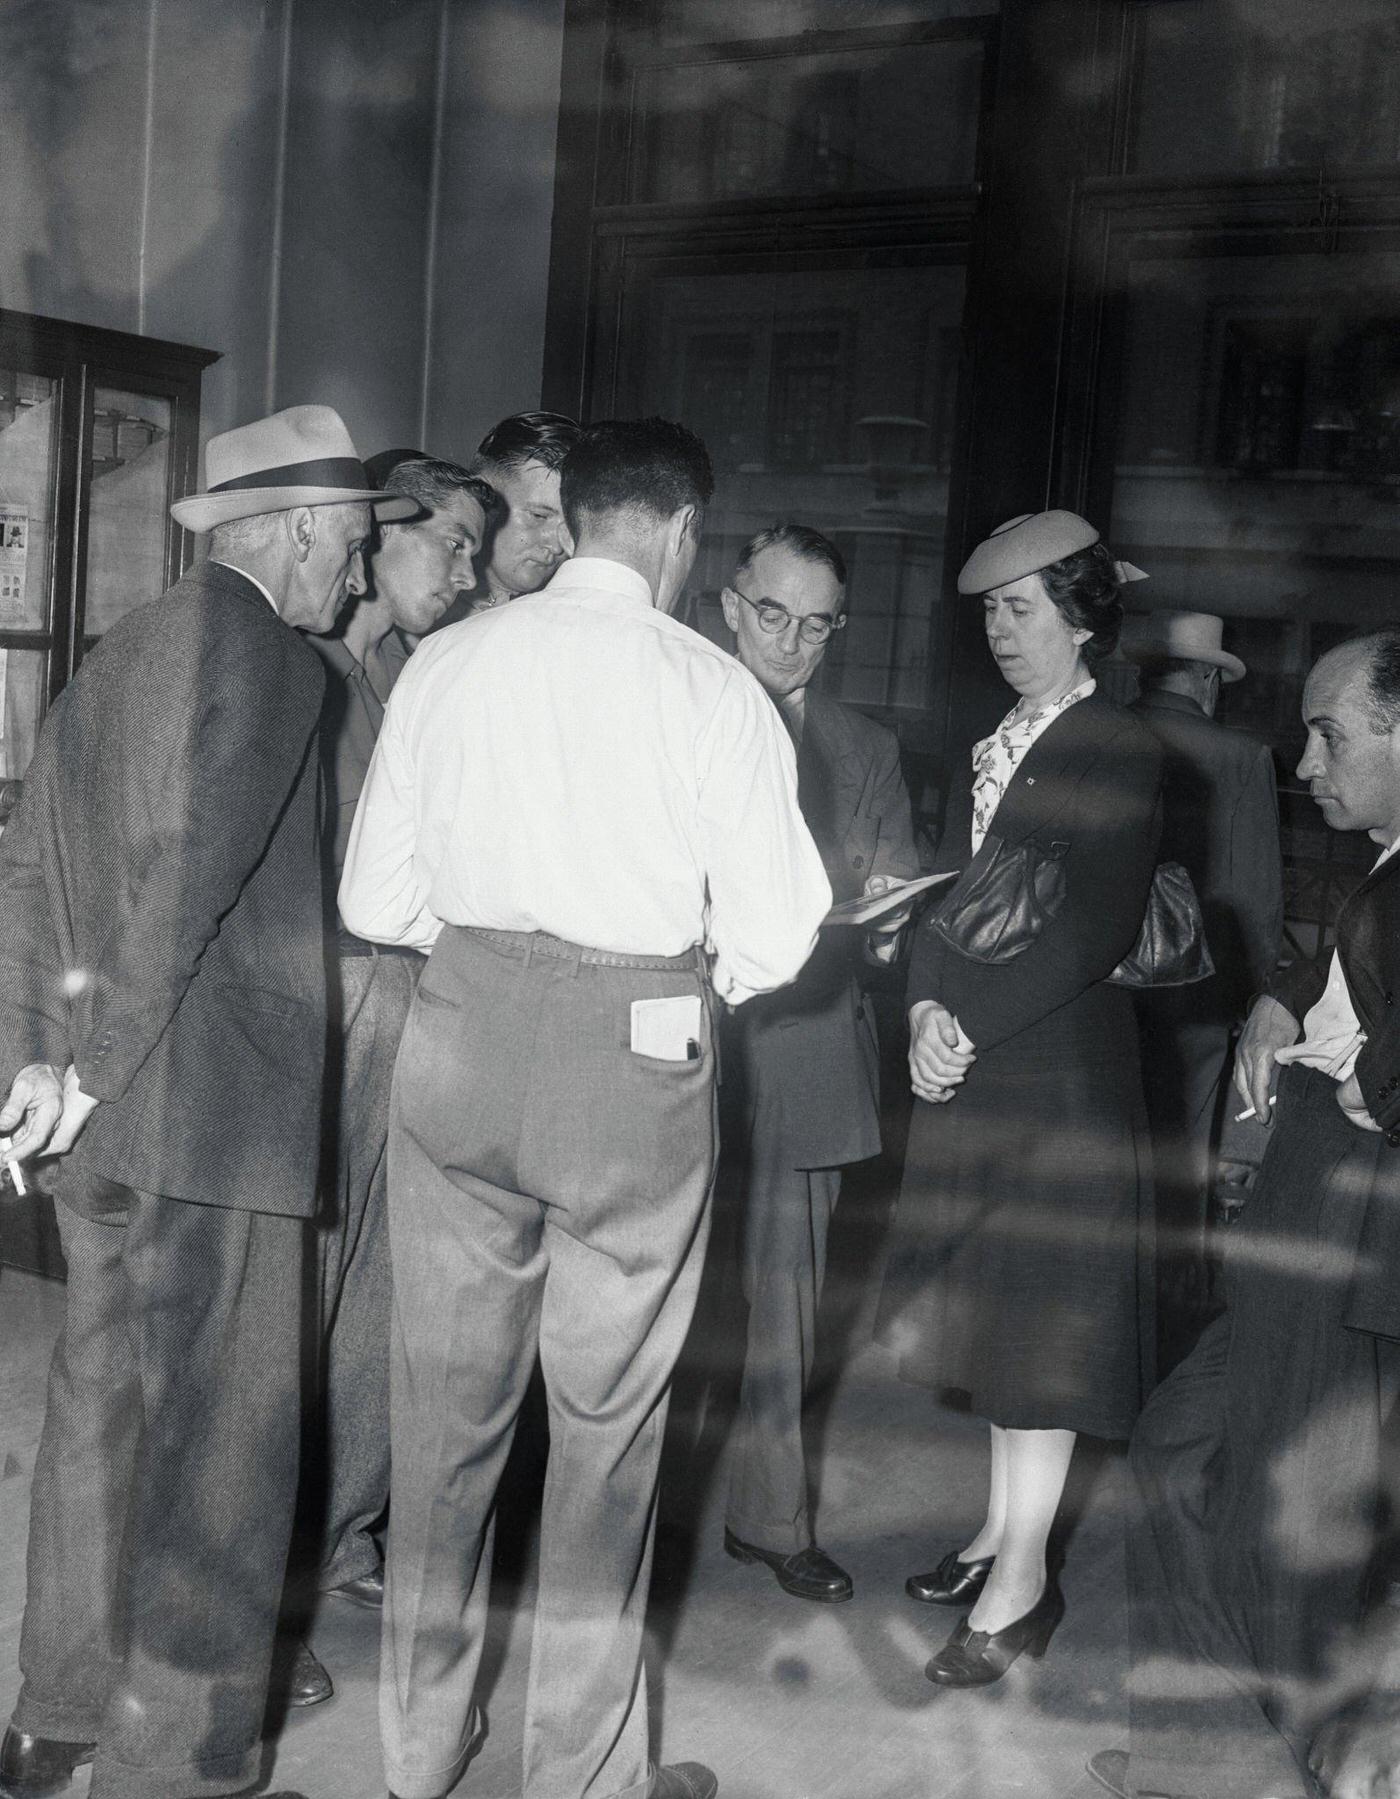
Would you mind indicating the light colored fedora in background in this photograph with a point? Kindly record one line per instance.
(301, 457)
(1150, 637)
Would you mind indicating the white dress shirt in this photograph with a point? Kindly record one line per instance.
(580, 763)
(1332, 1035)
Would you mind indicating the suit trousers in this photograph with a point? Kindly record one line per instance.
(548, 1195)
(1258, 1469)
(1184, 1065)
(347, 1451)
(787, 1212)
(163, 1495)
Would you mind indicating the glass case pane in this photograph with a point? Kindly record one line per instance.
(904, 116)
(1264, 85)
(826, 397)
(28, 453)
(128, 521)
(1258, 477)
(21, 709)
(722, 21)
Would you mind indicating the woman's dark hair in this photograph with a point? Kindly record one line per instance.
(1086, 594)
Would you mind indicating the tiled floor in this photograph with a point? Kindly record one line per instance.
(784, 1700)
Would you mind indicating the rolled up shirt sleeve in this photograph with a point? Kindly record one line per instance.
(768, 891)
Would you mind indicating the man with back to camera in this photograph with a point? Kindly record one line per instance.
(552, 1137)
(528, 538)
(161, 942)
(1220, 820)
(416, 567)
(1258, 1460)
(805, 1057)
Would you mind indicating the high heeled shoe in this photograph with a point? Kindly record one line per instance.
(975, 1658)
(952, 1582)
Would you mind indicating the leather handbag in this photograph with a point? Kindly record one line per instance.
(1009, 892)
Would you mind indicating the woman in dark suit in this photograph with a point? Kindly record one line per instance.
(1016, 1271)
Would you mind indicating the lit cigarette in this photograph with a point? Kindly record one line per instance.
(1251, 1113)
(6, 1151)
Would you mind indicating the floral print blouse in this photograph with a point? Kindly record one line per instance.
(996, 758)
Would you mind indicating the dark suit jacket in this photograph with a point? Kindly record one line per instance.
(1091, 781)
(1368, 943)
(160, 907)
(807, 1053)
(1220, 819)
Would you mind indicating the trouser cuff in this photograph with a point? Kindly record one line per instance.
(778, 1539)
(433, 1783)
(204, 1779)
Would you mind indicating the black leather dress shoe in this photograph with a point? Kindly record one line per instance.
(33, 1767)
(365, 1589)
(684, 1780)
(808, 1574)
(975, 1658)
(952, 1582)
(298, 1677)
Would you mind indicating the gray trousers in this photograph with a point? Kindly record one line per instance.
(163, 1495)
(1258, 1467)
(347, 1450)
(787, 1212)
(547, 1194)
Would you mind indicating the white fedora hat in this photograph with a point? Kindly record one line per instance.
(300, 457)
(1186, 636)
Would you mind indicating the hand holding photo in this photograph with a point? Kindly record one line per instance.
(875, 905)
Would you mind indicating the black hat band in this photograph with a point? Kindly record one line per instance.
(331, 471)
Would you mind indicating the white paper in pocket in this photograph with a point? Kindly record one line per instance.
(668, 1029)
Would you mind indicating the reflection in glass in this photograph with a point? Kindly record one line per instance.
(899, 117)
(127, 523)
(21, 708)
(720, 21)
(825, 397)
(28, 447)
(1258, 477)
(1259, 85)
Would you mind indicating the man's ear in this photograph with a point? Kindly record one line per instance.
(683, 527)
(729, 604)
(301, 531)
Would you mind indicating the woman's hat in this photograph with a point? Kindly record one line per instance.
(1179, 636)
(300, 457)
(1028, 543)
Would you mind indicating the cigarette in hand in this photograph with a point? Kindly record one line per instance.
(7, 1152)
(1250, 1111)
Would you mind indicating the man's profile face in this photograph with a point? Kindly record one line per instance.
(333, 570)
(1352, 770)
(530, 538)
(782, 661)
(419, 568)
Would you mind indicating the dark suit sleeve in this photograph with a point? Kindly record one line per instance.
(895, 852)
(1257, 867)
(1112, 833)
(33, 1005)
(253, 725)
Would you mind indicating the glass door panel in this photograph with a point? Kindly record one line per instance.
(23, 675)
(128, 521)
(28, 456)
(825, 396)
(1256, 475)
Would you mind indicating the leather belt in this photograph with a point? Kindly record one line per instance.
(542, 943)
(348, 944)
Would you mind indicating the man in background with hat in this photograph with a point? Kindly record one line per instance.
(162, 1025)
(1220, 821)
(415, 569)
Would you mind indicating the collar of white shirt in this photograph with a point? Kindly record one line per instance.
(247, 577)
(599, 574)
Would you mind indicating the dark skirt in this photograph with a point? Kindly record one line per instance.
(1019, 1275)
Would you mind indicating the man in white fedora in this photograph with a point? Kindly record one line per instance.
(162, 1021)
(1220, 819)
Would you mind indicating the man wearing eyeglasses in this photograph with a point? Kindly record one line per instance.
(805, 1055)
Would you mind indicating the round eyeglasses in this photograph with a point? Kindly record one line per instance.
(816, 627)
